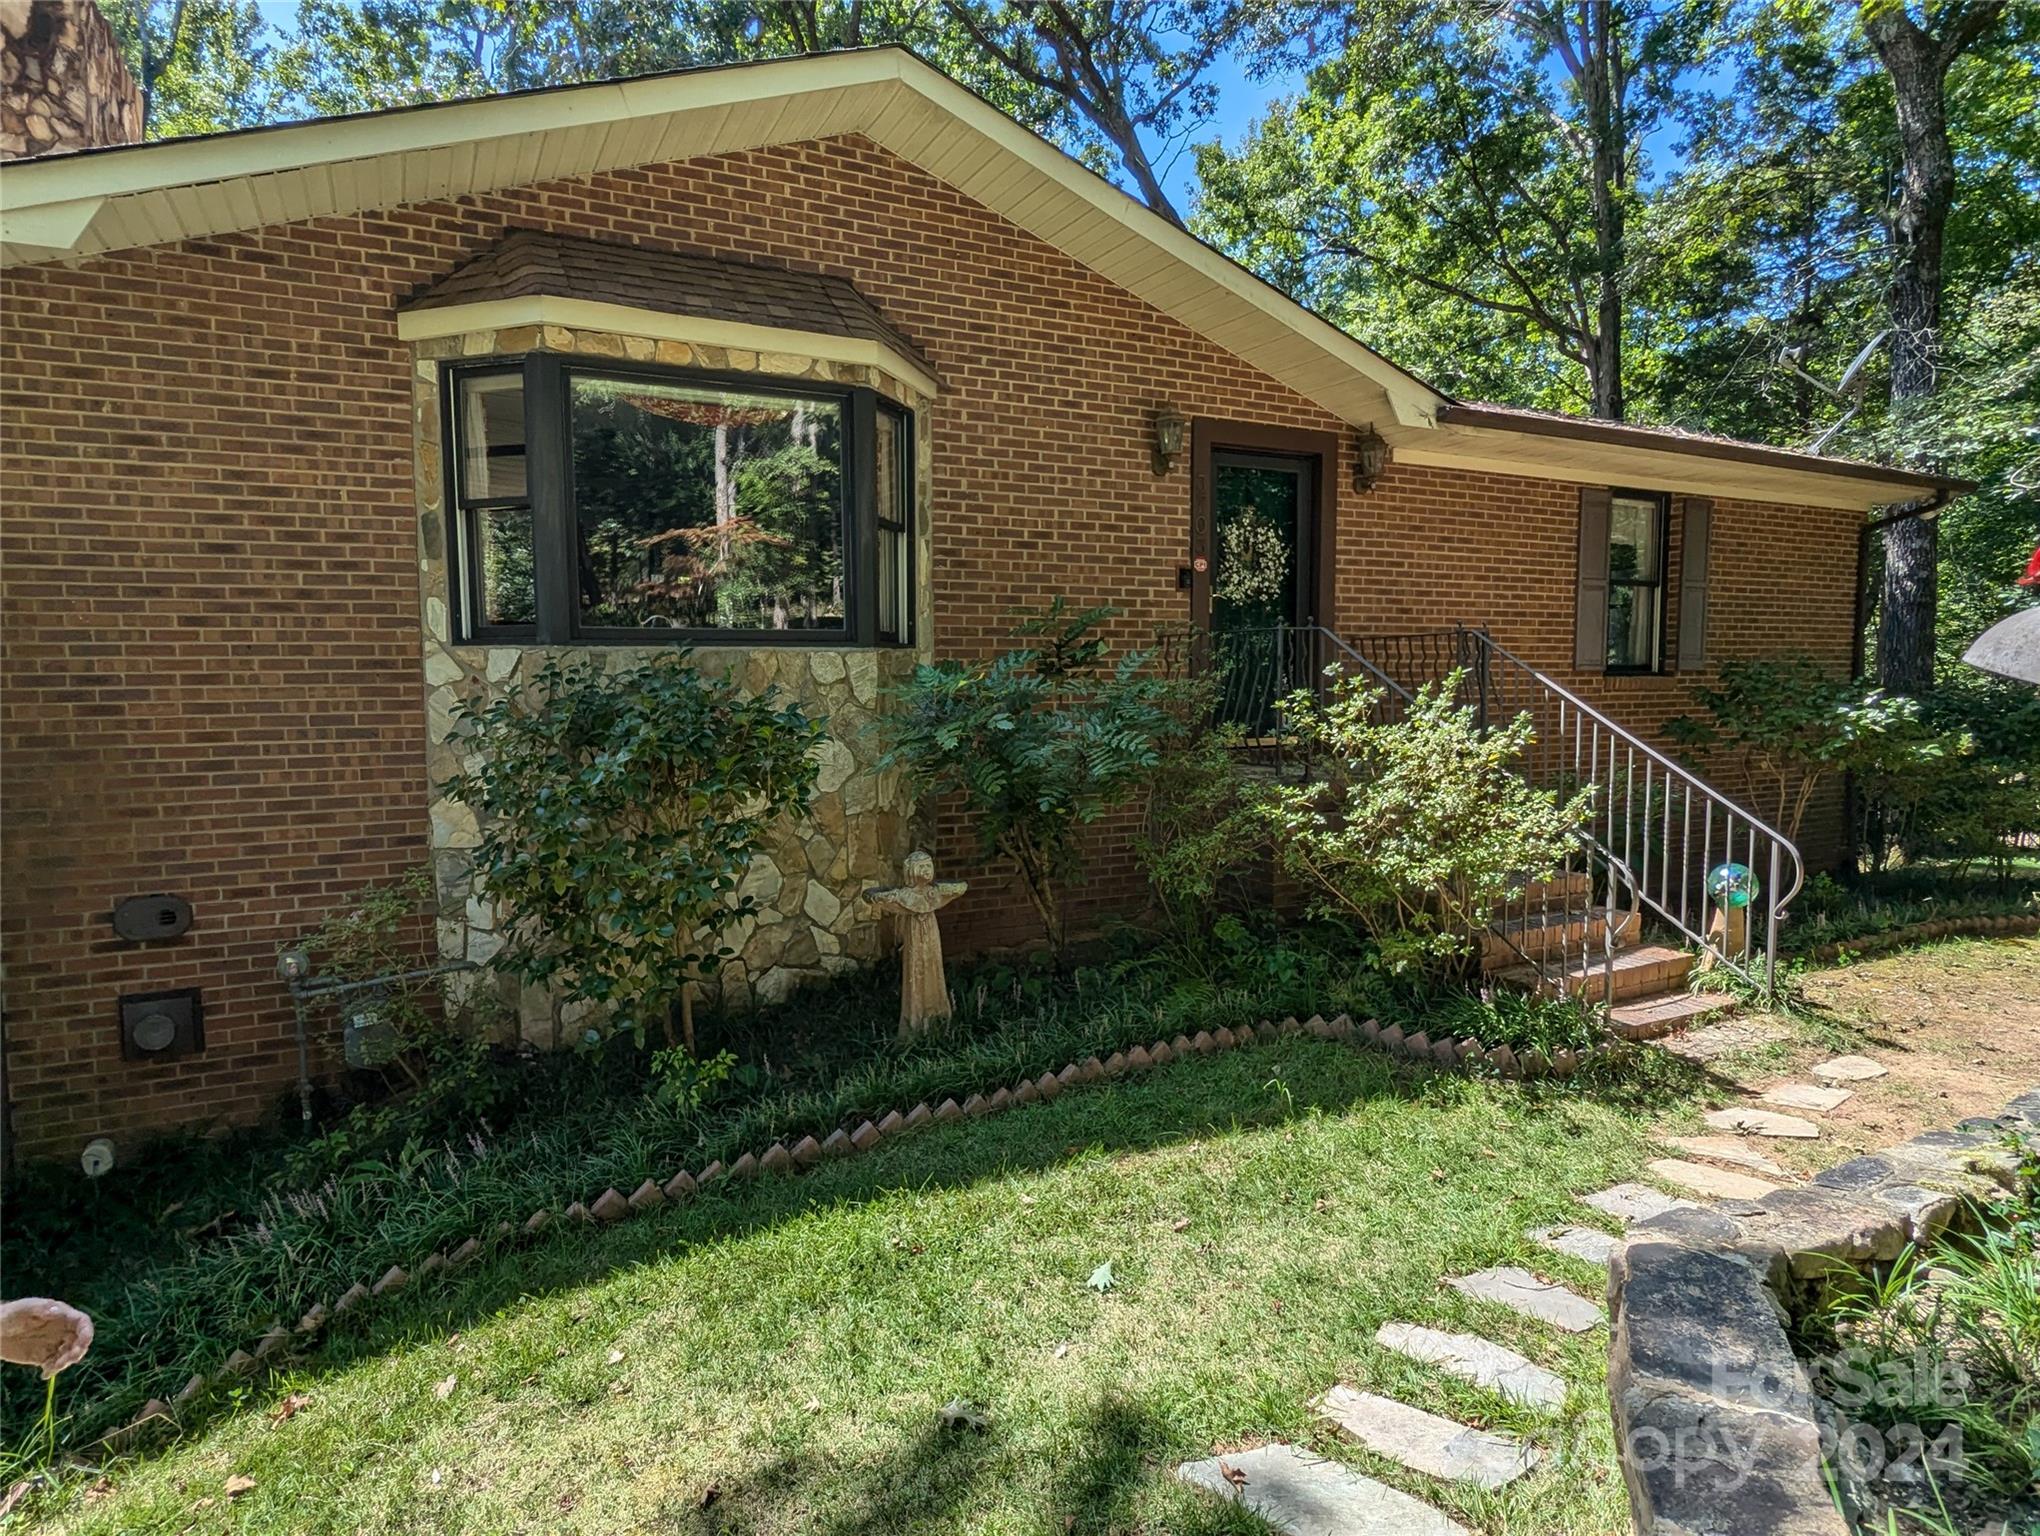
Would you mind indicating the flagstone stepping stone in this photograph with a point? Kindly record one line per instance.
(1850, 1069)
(1521, 1291)
(1589, 1244)
(1634, 1202)
(1807, 1096)
(1762, 1122)
(1479, 1361)
(1306, 1495)
(1709, 1042)
(1725, 1149)
(1426, 1443)
(1715, 1183)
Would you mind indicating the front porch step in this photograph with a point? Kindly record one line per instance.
(1651, 1018)
(1643, 971)
(1565, 890)
(1549, 935)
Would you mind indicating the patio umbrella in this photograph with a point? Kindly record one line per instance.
(2010, 648)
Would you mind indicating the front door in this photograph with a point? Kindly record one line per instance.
(1262, 579)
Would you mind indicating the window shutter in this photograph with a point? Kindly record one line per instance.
(1590, 635)
(1697, 532)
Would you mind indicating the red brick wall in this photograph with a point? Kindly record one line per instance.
(210, 588)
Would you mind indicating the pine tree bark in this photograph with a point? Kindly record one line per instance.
(1917, 64)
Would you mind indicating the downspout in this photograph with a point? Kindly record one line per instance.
(1928, 508)
(1851, 805)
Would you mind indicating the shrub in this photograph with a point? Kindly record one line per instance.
(617, 815)
(1424, 826)
(1038, 744)
(1789, 725)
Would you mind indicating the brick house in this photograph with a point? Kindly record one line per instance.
(310, 430)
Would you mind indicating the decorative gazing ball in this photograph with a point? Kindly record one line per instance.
(1732, 885)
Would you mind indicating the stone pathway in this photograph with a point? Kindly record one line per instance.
(1480, 1361)
(1762, 1122)
(1634, 1202)
(1590, 1244)
(1306, 1495)
(1710, 1041)
(1807, 1096)
(1849, 1069)
(1521, 1291)
(1715, 1183)
(1424, 1442)
(1725, 1149)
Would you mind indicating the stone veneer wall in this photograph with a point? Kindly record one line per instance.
(63, 82)
(808, 881)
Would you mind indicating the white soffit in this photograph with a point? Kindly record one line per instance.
(76, 206)
(1539, 456)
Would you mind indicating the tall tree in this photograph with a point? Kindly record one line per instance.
(202, 65)
(1134, 73)
(1472, 171)
(1917, 59)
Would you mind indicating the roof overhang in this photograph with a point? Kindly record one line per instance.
(1500, 440)
(696, 330)
(74, 206)
(81, 205)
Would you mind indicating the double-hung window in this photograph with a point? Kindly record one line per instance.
(1636, 582)
(615, 505)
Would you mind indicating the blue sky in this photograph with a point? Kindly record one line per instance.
(1240, 102)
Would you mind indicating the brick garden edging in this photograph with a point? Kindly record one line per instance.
(1919, 933)
(1716, 1420)
(611, 1205)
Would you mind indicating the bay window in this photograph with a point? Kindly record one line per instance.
(598, 504)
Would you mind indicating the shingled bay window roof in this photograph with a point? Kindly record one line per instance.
(535, 264)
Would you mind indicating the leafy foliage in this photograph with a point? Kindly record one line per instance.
(1424, 825)
(1037, 744)
(617, 815)
(1789, 725)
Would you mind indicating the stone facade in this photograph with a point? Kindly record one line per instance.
(63, 82)
(807, 883)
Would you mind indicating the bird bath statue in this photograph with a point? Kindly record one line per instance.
(1731, 888)
(924, 991)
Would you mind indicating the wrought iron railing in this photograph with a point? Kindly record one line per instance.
(1566, 927)
(1663, 821)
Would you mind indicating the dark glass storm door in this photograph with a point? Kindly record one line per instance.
(1261, 580)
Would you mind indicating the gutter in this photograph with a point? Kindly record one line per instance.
(1623, 435)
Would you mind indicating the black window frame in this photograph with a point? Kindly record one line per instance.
(549, 492)
(1657, 583)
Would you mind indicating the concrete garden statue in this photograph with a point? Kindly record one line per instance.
(924, 991)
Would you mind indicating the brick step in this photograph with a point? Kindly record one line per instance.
(1549, 934)
(1650, 1018)
(1645, 971)
(1559, 891)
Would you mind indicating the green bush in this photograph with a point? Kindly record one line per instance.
(1423, 827)
(1789, 726)
(1037, 745)
(617, 814)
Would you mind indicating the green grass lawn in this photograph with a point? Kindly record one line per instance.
(775, 1359)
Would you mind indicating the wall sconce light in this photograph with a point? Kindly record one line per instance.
(1169, 425)
(1370, 457)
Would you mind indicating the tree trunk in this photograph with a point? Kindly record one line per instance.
(1610, 176)
(1917, 64)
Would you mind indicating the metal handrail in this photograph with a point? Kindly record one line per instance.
(1667, 802)
(1559, 912)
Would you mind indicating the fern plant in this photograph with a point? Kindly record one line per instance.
(1038, 744)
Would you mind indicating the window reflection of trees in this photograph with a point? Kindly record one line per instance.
(706, 508)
